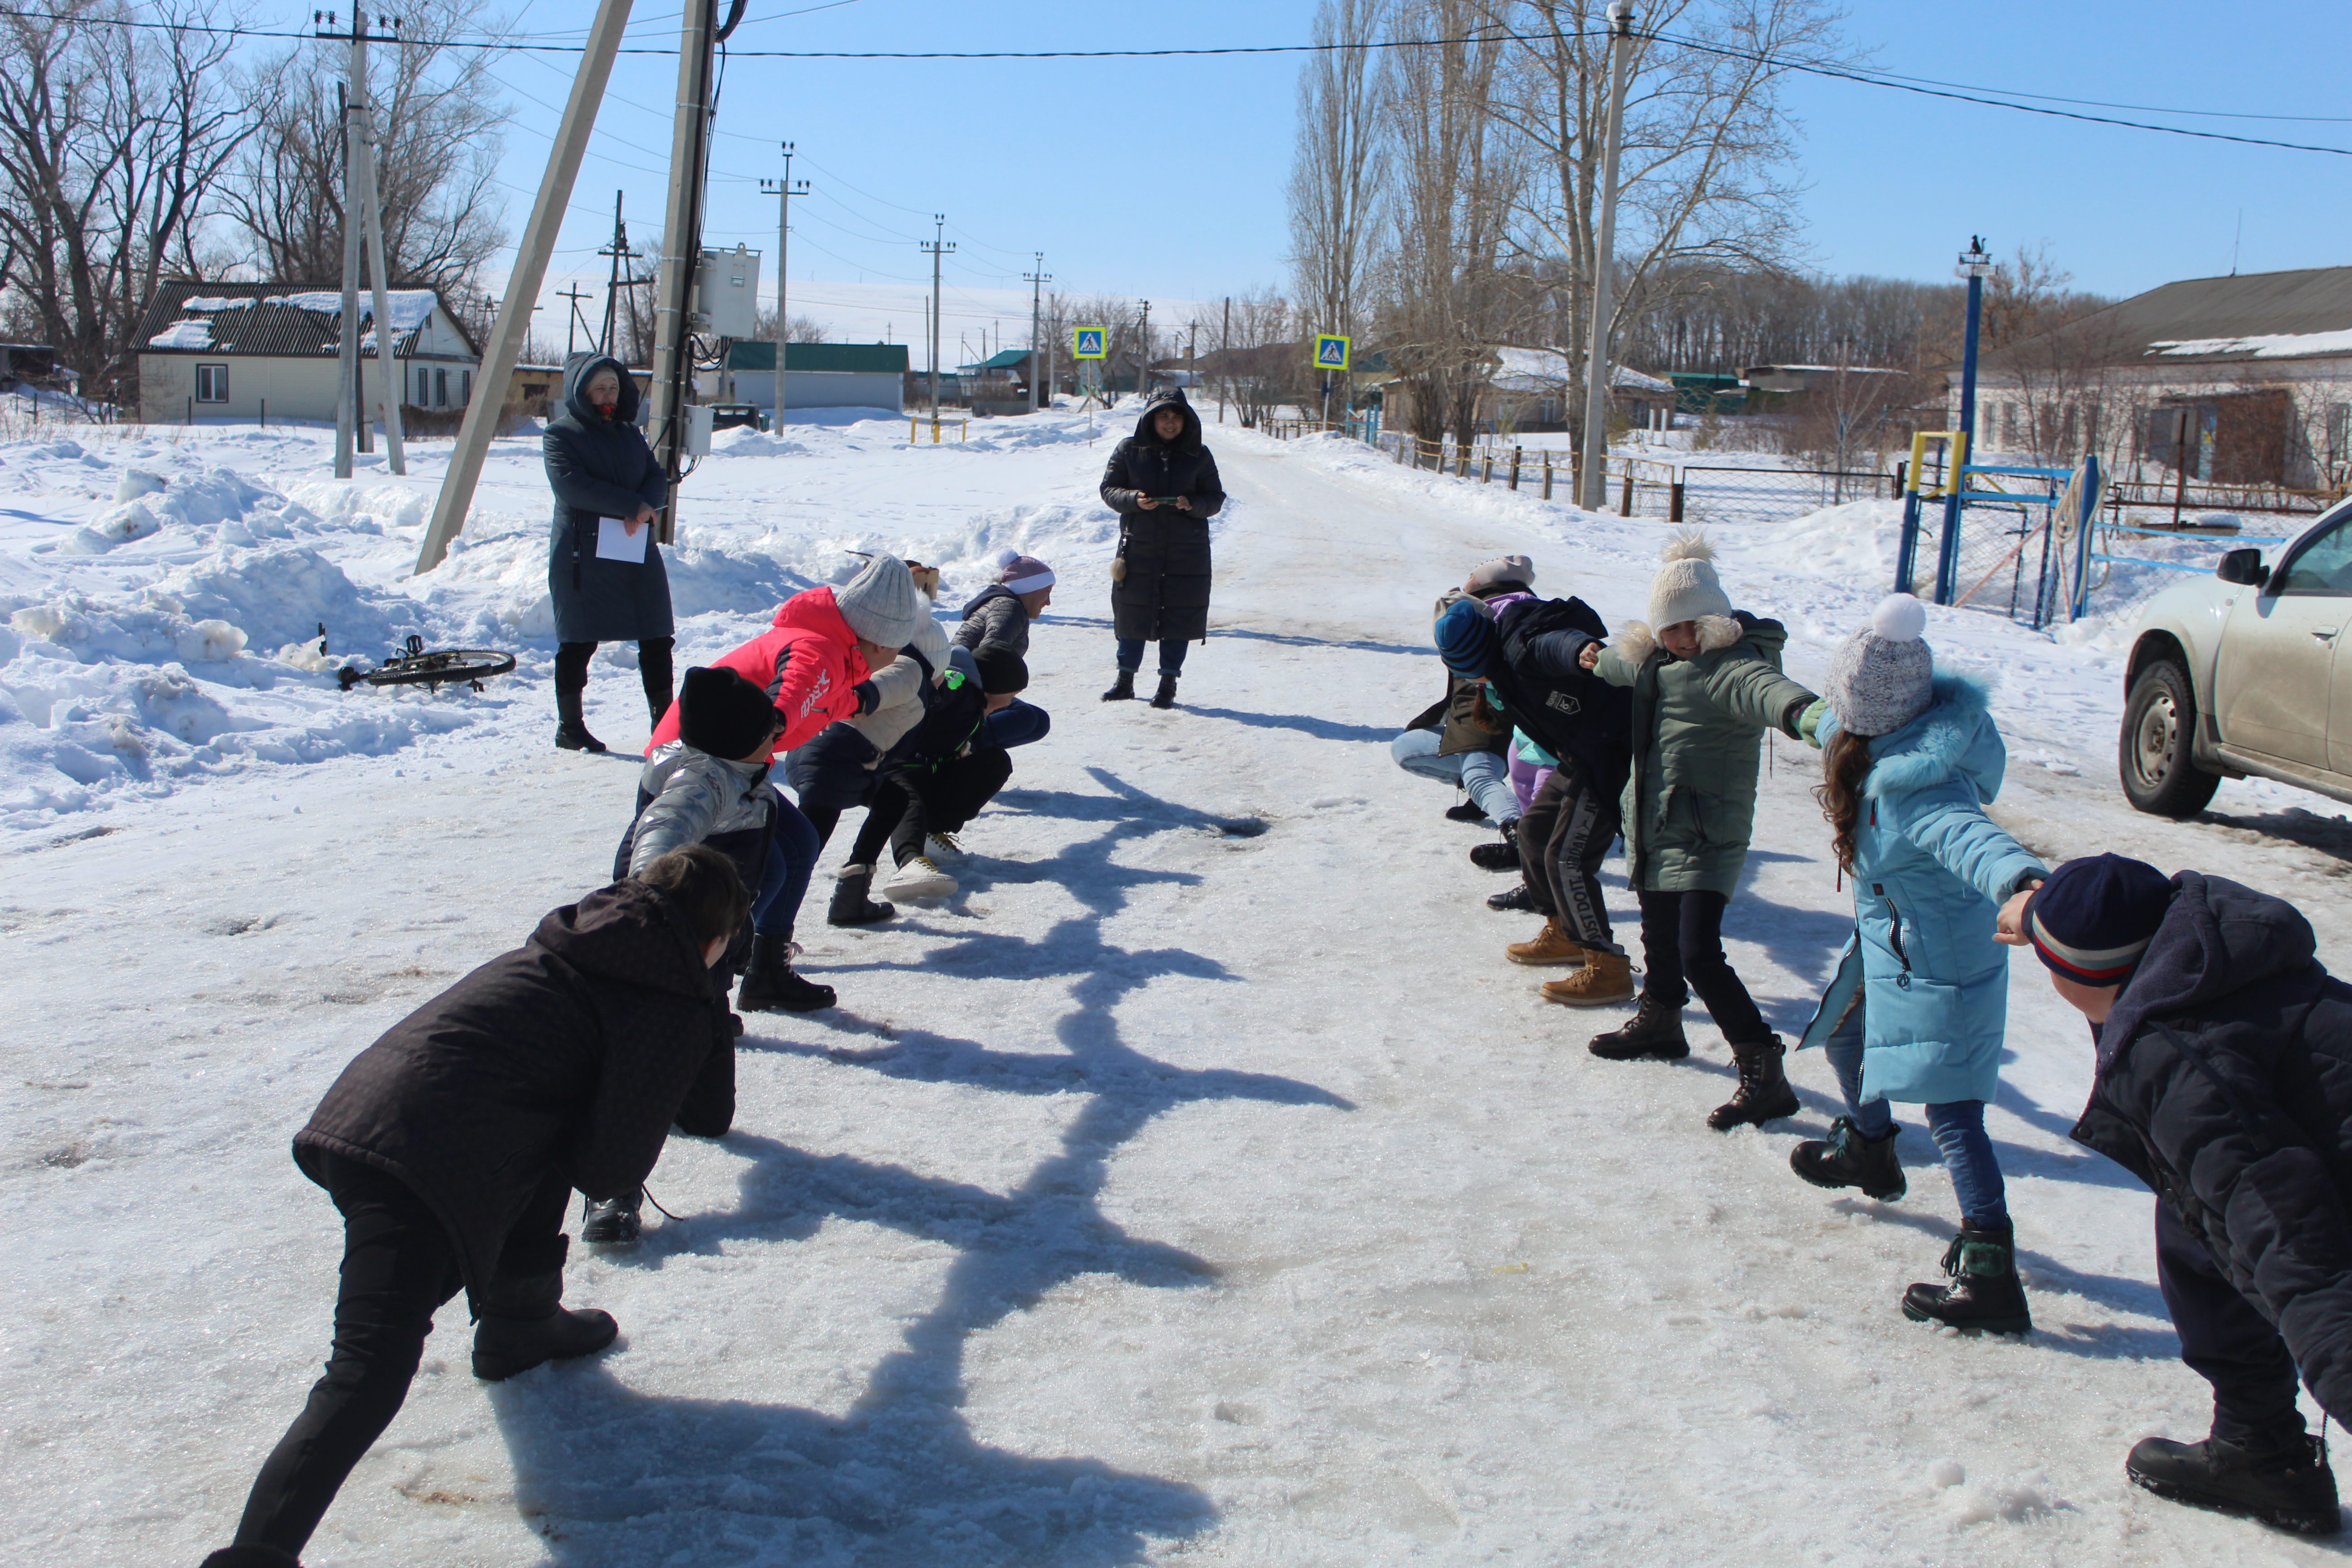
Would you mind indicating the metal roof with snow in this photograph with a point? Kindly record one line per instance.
(2301, 314)
(1542, 370)
(274, 319)
(856, 358)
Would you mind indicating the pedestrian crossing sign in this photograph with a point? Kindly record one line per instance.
(1086, 342)
(1330, 354)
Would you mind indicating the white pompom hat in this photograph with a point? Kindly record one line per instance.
(1686, 588)
(1882, 677)
(1022, 573)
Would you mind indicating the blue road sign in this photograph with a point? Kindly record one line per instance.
(1330, 352)
(1086, 342)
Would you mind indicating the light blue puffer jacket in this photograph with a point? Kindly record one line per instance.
(1930, 874)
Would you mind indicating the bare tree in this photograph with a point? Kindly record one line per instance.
(112, 139)
(1339, 172)
(1457, 175)
(1703, 172)
(438, 128)
(797, 328)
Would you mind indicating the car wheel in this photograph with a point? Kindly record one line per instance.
(2160, 775)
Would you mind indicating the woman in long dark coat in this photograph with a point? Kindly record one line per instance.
(1163, 484)
(599, 467)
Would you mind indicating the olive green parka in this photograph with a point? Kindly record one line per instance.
(1690, 805)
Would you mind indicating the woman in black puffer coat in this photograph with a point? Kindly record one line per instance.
(1163, 484)
(599, 466)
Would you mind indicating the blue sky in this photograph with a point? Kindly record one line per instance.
(1163, 178)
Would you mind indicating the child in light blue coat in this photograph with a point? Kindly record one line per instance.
(1920, 1002)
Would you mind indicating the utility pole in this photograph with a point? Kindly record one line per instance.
(570, 328)
(785, 190)
(1976, 266)
(1036, 281)
(689, 148)
(620, 252)
(1593, 474)
(938, 247)
(1143, 351)
(1225, 360)
(388, 376)
(347, 354)
(522, 284)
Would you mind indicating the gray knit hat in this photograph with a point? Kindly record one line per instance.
(1686, 586)
(1502, 569)
(881, 603)
(1881, 678)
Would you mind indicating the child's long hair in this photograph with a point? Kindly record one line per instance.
(1845, 762)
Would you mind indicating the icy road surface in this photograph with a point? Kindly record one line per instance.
(1197, 1185)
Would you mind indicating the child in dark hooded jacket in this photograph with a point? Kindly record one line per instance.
(453, 1145)
(2223, 1080)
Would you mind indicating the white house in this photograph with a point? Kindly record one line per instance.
(241, 350)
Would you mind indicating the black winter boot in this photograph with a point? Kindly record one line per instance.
(524, 1324)
(571, 729)
(249, 1557)
(615, 1222)
(1984, 1292)
(653, 675)
(1465, 811)
(1502, 854)
(1166, 696)
(1653, 1030)
(1122, 689)
(1763, 1094)
(851, 906)
(770, 986)
(1514, 898)
(2279, 1477)
(1849, 1160)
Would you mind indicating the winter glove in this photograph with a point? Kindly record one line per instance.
(1809, 722)
(869, 697)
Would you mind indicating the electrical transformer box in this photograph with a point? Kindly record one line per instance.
(727, 293)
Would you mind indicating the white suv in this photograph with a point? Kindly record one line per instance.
(2235, 674)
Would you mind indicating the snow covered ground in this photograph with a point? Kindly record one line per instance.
(1199, 1185)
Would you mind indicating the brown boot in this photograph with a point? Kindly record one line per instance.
(1763, 1095)
(1606, 978)
(1550, 946)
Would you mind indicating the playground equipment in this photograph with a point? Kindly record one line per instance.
(1972, 549)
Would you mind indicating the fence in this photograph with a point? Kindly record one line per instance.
(2132, 562)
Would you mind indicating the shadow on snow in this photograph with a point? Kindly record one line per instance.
(613, 1476)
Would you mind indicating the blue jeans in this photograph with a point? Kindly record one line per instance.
(784, 880)
(1018, 724)
(1171, 655)
(1485, 775)
(1957, 1126)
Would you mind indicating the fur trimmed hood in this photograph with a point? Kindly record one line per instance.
(1955, 738)
(1636, 641)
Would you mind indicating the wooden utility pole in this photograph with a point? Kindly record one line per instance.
(607, 343)
(571, 340)
(522, 284)
(938, 247)
(388, 376)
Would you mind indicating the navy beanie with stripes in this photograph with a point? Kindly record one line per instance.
(2094, 917)
(1467, 639)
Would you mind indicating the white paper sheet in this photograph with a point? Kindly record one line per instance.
(614, 542)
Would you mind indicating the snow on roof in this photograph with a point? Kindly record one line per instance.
(1540, 370)
(303, 321)
(183, 335)
(2273, 346)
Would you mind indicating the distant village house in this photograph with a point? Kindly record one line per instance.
(235, 350)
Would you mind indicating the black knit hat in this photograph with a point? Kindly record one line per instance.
(1002, 671)
(2094, 917)
(721, 712)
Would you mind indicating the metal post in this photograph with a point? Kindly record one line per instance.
(785, 190)
(387, 372)
(1592, 490)
(522, 284)
(673, 370)
(1976, 264)
(347, 358)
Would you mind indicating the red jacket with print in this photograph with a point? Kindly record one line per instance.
(806, 662)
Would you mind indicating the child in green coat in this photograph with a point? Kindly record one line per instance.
(1706, 684)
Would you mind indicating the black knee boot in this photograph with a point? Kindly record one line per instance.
(571, 729)
(653, 674)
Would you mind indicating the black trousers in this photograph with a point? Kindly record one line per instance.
(399, 1268)
(2223, 1338)
(1563, 837)
(653, 669)
(1682, 946)
(912, 802)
